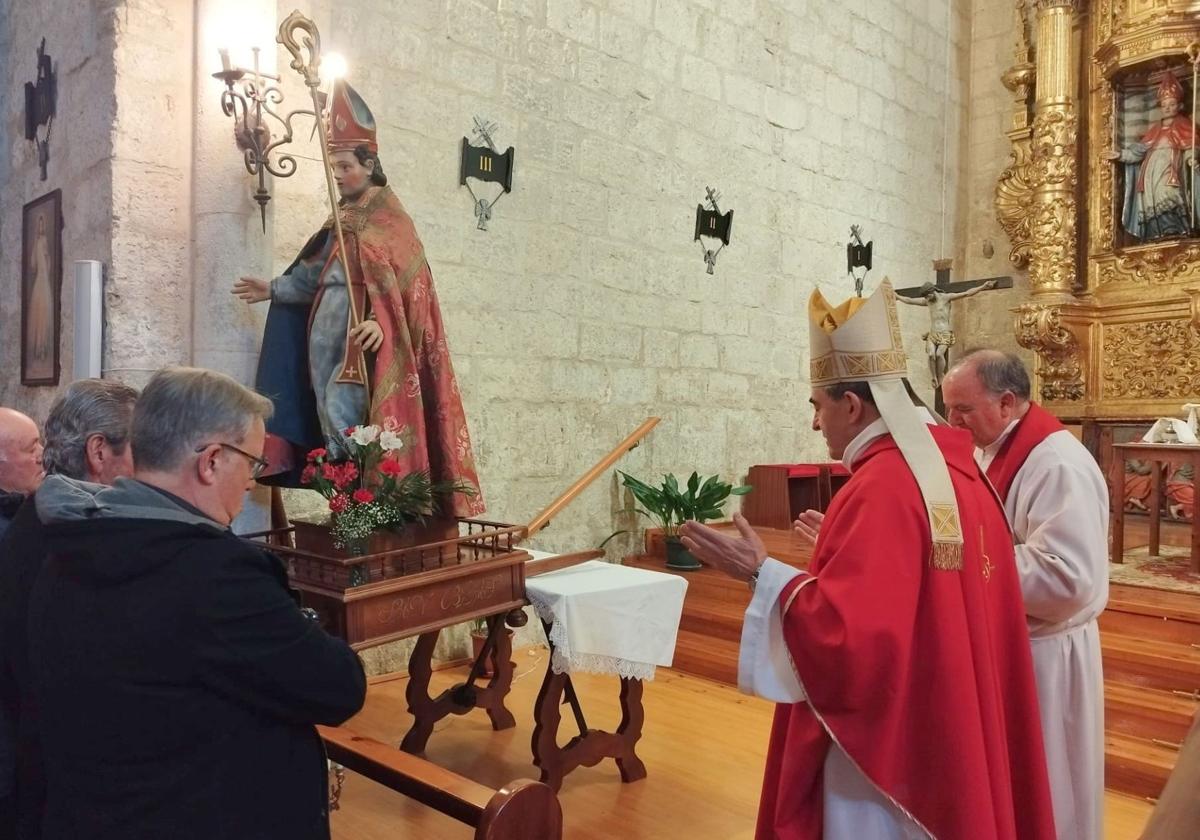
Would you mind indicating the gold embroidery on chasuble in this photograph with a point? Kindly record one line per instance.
(947, 537)
(987, 561)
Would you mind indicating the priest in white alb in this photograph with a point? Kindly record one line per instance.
(900, 659)
(1056, 500)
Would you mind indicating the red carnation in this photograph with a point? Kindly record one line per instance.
(317, 453)
(390, 467)
(330, 471)
(349, 430)
(308, 474)
(339, 503)
(349, 472)
(363, 496)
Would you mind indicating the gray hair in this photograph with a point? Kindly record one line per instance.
(88, 407)
(182, 408)
(998, 372)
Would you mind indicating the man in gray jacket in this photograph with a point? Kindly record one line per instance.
(178, 681)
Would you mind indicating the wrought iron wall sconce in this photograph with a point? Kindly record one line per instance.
(253, 98)
(711, 223)
(858, 255)
(40, 101)
(485, 163)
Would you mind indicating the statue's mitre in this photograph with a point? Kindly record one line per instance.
(860, 341)
(351, 123)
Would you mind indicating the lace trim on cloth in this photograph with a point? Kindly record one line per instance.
(564, 661)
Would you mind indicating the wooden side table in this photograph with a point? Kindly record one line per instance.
(1156, 453)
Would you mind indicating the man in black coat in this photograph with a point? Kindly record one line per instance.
(178, 681)
(87, 437)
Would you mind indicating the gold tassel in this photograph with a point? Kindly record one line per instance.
(947, 556)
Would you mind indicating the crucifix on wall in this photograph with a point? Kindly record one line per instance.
(938, 296)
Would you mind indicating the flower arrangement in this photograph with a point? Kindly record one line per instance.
(370, 489)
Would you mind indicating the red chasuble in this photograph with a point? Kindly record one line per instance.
(412, 380)
(923, 677)
(1037, 425)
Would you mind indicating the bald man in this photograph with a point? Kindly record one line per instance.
(20, 462)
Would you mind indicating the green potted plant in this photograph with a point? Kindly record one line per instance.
(672, 505)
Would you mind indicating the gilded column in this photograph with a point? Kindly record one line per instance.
(1055, 128)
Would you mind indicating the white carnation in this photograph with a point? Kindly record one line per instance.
(365, 434)
(390, 441)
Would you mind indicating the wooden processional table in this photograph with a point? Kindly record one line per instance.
(476, 571)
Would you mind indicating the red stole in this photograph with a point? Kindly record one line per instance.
(923, 677)
(1037, 425)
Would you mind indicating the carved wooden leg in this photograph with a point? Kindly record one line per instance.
(1156, 497)
(423, 708)
(633, 715)
(546, 754)
(1117, 506)
(492, 698)
(591, 746)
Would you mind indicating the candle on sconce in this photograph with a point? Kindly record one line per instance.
(225, 66)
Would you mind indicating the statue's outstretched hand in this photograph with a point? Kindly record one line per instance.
(252, 290)
(369, 335)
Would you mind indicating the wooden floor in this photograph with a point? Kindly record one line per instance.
(704, 746)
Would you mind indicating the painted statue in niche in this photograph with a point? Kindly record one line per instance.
(325, 375)
(41, 273)
(1157, 151)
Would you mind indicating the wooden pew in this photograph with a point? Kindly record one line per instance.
(521, 810)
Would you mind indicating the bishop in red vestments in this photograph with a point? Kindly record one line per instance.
(900, 660)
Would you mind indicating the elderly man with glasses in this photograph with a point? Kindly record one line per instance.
(178, 681)
(87, 438)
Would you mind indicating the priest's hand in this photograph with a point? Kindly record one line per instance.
(252, 290)
(809, 525)
(738, 557)
(369, 335)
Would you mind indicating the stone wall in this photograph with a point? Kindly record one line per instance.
(586, 308)
(80, 38)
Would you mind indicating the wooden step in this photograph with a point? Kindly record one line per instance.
(1147, 712)
(1168, 666)
(1181, 606)
(716, 619)
(703, 656)
(1152, 614)
(1136, 766)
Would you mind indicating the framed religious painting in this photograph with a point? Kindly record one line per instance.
(41, 289)
(1155, 154)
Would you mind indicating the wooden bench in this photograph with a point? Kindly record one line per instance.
(521, 810)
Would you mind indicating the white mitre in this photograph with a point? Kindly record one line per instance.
(860, 341)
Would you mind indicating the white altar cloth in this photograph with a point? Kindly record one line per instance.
(608, 619)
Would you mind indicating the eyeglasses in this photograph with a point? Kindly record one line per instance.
(258, 465)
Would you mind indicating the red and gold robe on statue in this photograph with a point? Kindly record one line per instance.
(921, 677)
(411, 377)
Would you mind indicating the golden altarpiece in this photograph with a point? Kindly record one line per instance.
(1099, 203)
